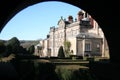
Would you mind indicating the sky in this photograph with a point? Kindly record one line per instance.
(34, 22)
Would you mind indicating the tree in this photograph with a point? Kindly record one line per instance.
(13, 41)
(13, 45)
(61, 52)
(31, 49)
(67, 46)
(2, 47)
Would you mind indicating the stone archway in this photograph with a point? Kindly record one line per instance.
(99, 10)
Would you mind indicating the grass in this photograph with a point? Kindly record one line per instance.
(65, 60)
(7, 59)
(72, 67)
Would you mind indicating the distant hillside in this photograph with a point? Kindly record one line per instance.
(25, 43)
(4, 41)
(28, 43)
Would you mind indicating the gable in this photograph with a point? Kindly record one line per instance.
(61, 23)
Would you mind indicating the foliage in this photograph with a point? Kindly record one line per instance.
(61, 52)
(45, 71)
(63, 74)
(13, 41)
(6, 59)
(80, 74)
(31, 49)
(2, 47)
(13, 45)
(67, 46)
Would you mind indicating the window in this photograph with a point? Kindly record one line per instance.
(98, 47)
(87, 47)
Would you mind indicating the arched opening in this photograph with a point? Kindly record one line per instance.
(90, 10)
(82, 4)
(95, 31)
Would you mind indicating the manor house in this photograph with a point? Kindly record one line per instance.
(84, 34)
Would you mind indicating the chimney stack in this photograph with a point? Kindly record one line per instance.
(80, 15)
(70, 19)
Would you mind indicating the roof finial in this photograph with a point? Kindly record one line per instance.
(61, 17)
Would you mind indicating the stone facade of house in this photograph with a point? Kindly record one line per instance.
(84, 34)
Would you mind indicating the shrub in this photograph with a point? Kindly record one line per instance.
(80, 74)
(61, 52)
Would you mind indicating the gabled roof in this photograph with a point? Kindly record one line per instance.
(60, 21)
(66, 22)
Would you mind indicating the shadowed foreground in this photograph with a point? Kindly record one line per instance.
(34, 70)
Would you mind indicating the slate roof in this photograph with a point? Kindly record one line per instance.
(88, 35)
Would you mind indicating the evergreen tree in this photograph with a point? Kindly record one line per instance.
(13, 45)
(61, 52)
(2, 47)
(13, 41)
(31, 49)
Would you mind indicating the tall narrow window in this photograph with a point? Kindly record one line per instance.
(87, 47)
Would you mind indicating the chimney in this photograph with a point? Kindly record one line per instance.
(70, 19)
(91, 21)
(80, 15)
